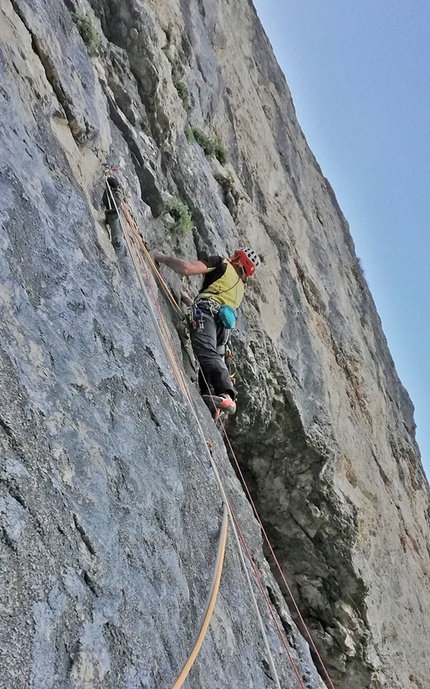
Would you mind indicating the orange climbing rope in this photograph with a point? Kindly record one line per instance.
(269, 605)
(210, 604)
(218, 479)
(227, 508)
(183, 387)
(141, 244)
(171, 357)
(161, 330)
(150, 259)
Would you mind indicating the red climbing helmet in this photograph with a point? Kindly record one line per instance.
(248, 259)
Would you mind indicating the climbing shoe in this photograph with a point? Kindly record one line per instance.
(222, 402)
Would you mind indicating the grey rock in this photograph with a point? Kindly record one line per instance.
(109, 509)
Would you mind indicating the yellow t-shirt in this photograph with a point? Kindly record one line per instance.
(222, 283)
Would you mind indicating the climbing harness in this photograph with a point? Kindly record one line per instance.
(195, 321)
(222, 313)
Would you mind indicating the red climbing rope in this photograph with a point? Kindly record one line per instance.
(288, 588)
(268, 603)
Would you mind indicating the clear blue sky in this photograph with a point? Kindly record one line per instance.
(359, 74)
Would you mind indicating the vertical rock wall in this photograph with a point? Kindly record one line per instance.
(109, 510)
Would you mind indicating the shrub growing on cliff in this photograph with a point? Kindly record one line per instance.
(201, 139)
(88, 32)
(182, 93)
(226, 182)
(220, 152)
(182, 215)
(211, 146)
(188, 131)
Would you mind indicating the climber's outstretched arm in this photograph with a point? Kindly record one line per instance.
(180, 266)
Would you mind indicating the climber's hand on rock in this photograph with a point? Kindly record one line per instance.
(185, 297)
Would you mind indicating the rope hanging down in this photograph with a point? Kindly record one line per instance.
(288, 588)
(227, 508)
(272, 614)
(238, 533)
(214, 468)
(162, 336)
(209, 605)
(275, 559)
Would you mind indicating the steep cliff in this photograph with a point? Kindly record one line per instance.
(110, 511)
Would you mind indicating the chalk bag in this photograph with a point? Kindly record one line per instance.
(227, 316)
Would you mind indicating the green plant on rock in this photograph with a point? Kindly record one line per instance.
(202, 140)
(226, 182)
(182, 93)
(219, 152)
(89, 33)
(182, 216)
(211, 146)
(188, 131)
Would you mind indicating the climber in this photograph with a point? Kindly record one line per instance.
(214, 316)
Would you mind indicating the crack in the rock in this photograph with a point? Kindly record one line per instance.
(83, 534)
(13, 442)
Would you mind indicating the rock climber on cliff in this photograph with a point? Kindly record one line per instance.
(214, 315)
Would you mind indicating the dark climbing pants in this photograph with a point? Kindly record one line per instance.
(205, 339)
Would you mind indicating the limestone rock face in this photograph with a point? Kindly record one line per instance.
(110, 512)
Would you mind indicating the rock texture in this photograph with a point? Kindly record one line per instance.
(109, 510)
